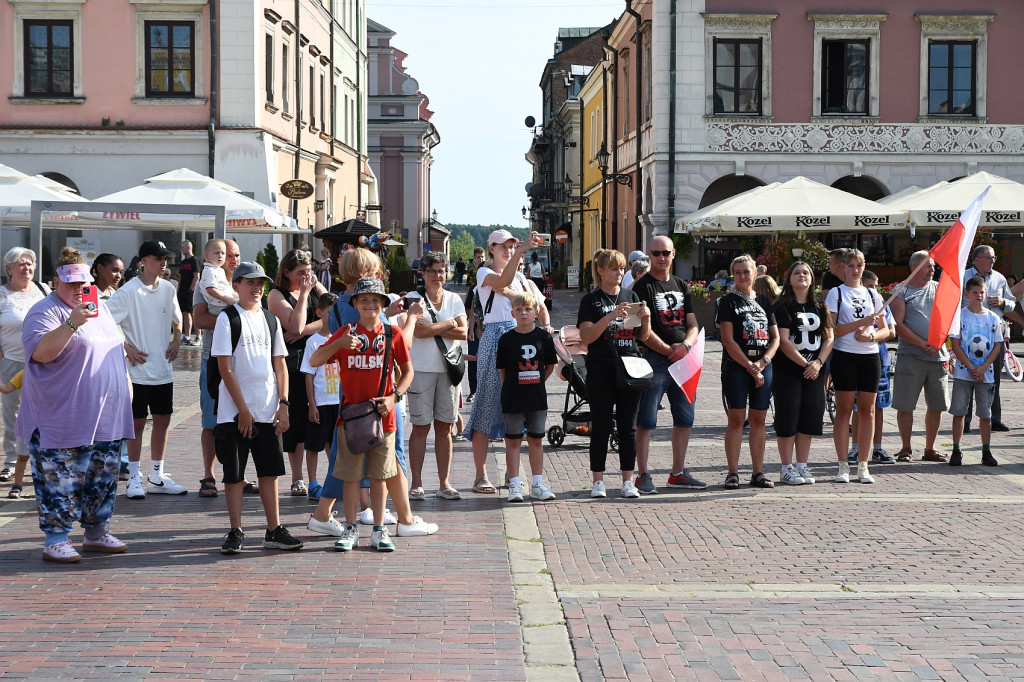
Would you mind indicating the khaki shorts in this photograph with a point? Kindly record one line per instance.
(379, 463)
(432, 398)
(913, 375)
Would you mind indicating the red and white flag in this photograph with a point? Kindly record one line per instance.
(950, 254)
(686, 372)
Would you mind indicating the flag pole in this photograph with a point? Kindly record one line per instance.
(902, 284)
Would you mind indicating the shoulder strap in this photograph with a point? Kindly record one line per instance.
(236, 326)
(441, 345)
(490, 300)
(271, 327)
(41, 288)
(385, 368)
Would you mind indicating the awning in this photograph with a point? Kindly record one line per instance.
(350, 229)
(940, 205)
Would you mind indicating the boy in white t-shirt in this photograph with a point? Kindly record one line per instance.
(323, 386)
(213, 283)
(977, 343)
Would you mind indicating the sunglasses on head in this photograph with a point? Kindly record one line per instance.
(655, 254)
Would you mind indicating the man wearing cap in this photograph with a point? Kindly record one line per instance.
(147, 310)
(673, 332)
(627, 279)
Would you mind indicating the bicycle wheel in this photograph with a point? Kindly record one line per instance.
(1012, 366)
(830, 403)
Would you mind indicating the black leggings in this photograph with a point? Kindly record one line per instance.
(605, 398)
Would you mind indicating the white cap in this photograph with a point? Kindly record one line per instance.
(500, 237)
(637, 255)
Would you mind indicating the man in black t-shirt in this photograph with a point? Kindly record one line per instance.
(188, 272)
(834, 276)
(673, 332)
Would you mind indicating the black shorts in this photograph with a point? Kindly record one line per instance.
(298, 411)
(185, 301)
(147, 400)
(320, 436)
(856, 372)
(233, 451)
(799, 404)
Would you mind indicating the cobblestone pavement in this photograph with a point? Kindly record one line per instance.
(915, 577)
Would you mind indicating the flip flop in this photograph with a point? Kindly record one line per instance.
(448, 494)
(251, 488)
(15, 492)
(417, 494)
(483, 486)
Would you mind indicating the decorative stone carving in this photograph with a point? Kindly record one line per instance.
(739, 23)
(935, 23)
(884, 138)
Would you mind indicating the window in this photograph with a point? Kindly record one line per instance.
(951, 78)
(844, 77)
(170, 59)
(49, 59)
(269, 67)
(323, 100)
(737, 76)
(284, 77)
(312, 96)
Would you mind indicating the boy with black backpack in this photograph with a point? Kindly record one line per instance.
(252, 408)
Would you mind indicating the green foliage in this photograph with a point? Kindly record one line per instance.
(270, 261)
(479, 233)
(396, 260)
(778, 254)
(683, 244)
(461, 247)
(752, 245)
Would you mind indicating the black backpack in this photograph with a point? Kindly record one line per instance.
(213, 368)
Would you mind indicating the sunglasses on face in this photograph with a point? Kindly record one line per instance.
(656, 254)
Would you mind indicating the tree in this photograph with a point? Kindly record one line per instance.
(462, 247)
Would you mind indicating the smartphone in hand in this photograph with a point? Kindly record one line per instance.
(91, 296)
(544, 239)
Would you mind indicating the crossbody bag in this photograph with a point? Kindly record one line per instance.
(364, 426)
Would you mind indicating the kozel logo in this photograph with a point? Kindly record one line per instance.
(810, 221)
(869, 221)
(939, 217)
(998, 217)
(753, 222)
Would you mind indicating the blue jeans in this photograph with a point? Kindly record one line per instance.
(682, 409)
(209, 419)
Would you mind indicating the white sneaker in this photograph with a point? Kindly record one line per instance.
(515, 492)
(166, 486)
(541, 491)
(790, 476)
(629, 490)
(862, 473)
(598, 490)
(418, 527)
(844, 473)
(329, 527)
(134, 489)
(366, 517)
(805, 474)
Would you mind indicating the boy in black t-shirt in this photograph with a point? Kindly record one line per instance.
(525, 360)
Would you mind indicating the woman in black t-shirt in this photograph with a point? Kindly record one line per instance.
(750, 339)
(600, 321)
(799, 381)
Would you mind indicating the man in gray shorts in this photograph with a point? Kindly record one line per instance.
(921, 366)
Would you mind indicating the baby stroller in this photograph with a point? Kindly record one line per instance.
(576, 413)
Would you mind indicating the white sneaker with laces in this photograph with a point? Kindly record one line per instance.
(329, 527)
(541, 491)
(107, 543)
(862, 473)
(844, 473)
(515, 492)
(134, 490)
(598, 490)
(805, 473)
(366, 517)
(417, 528)
(629, 490)
(790, 476)
(165, 485)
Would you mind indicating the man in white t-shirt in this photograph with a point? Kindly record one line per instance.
(147, 310)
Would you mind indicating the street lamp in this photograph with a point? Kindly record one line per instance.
(569, 198)
(602, 163)
(433, 216)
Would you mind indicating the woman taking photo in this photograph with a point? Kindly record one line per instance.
(799, 382)
(107, 271)
(750, 339)
(76, 409)
(856, 366)
(600, 320)
(497, 283)
(294, 301)
(16, 297)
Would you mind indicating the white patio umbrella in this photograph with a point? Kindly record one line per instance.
(941, 204)
(797, 205)
(18, 190)
(184, 186)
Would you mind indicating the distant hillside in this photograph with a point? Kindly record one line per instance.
(466, 237)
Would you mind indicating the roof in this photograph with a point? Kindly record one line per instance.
(347, 229)
(578, 32)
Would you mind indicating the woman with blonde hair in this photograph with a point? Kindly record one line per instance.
(766, 286)
(601, 321)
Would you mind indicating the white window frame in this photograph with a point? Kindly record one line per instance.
(964, 28)
(738, 26)
(47, 10)
(169, 10)
(848, 27)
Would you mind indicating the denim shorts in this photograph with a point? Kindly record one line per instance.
(682, 409)
(738, 386)
(205, 399)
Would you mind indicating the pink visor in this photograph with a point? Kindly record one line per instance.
(76, 272)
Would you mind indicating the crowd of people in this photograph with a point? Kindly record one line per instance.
(290, 370)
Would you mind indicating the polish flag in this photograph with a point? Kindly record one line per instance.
(950, 254)
(686, 372)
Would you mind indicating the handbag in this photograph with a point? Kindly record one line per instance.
(454, 363)
(364, 425)
(631, 373)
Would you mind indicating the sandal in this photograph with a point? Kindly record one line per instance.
(759, 480)
(299, 488)
(15, 492)
(208, 487)
(417, 494)
(933, 456)
(732, 482)
(251, 488)
(448, 494)
(904, 455)
(483, 486)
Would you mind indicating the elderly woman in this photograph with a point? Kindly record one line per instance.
(432, 397)
(16, 297)
(76, 410)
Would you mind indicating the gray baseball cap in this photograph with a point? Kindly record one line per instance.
(368, 285)
(249, 270)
